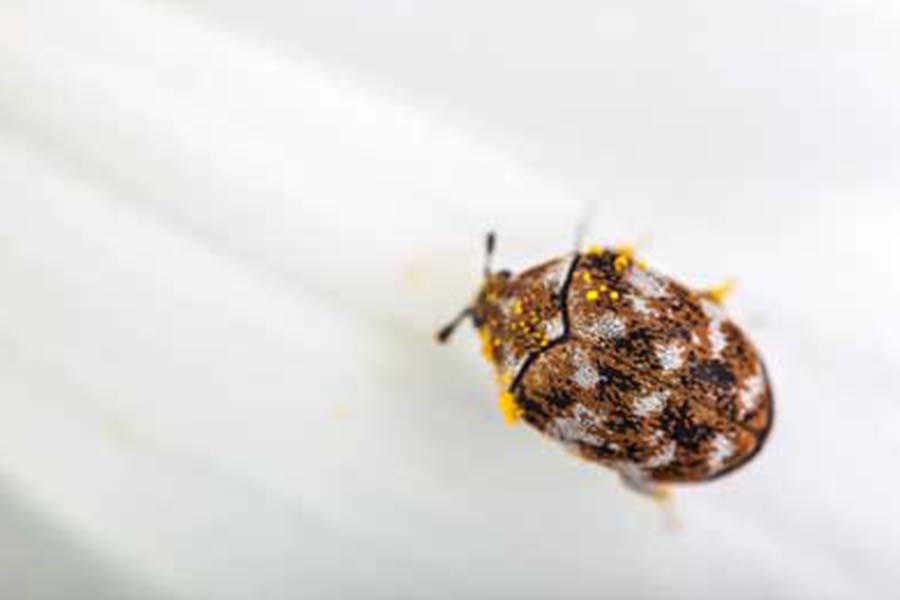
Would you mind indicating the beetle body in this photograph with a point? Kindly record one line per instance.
(625, 367)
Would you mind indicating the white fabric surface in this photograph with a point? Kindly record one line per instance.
(229, 229)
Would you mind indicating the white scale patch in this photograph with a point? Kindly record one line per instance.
(663, 457)
(717, 341)
(586, 375)
(670, 356)
(640, 306)
(607, 326)
(751, 393)
(723, 448)
(647, 284)
(506, 307)
(651, 404)
(553, 328)
(576, 428)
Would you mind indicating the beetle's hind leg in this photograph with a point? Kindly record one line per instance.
(643, 485)
(660, 493)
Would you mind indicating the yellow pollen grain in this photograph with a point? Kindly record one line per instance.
(718, 293)
(614, 295)
(642, 264)
(497, 342)
(518, 309)
(486, 350)
(625, 250)
(505, 379)
(621, 263)
(512, 412)
(596, 250)
(603, 287)
(587, 277)
(592, 295)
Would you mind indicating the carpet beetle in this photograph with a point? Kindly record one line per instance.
(623, 366)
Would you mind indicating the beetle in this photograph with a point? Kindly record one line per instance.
(624, 366)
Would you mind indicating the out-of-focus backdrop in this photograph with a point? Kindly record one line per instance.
(228, 230)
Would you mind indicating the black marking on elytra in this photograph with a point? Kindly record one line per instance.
(563, 306)
(687, 380)
(559, 398)
(677, 422)
(531, 408)
(601, 262)
(616, 379)
(638, 343)
(620, 421)
(715, 372)
(683, 332)
(761, 435)
(635, 452)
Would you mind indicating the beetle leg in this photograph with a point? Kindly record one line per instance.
(638, 481)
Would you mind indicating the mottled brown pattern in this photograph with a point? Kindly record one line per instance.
(627, 367)
(520, 316)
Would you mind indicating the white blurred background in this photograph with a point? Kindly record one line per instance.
(228, 230)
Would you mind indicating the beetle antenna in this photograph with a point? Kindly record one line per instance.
(490, 242)
(447, 330)
(588, 211)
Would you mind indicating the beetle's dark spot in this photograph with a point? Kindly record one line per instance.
(677, 422)
(682, 332)
(621, 422)
(558, 398)
(531, 408)
(713, 371)
(638, 344)
(616, 379)
(598, 262)
(692, 437)
(633, 452)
